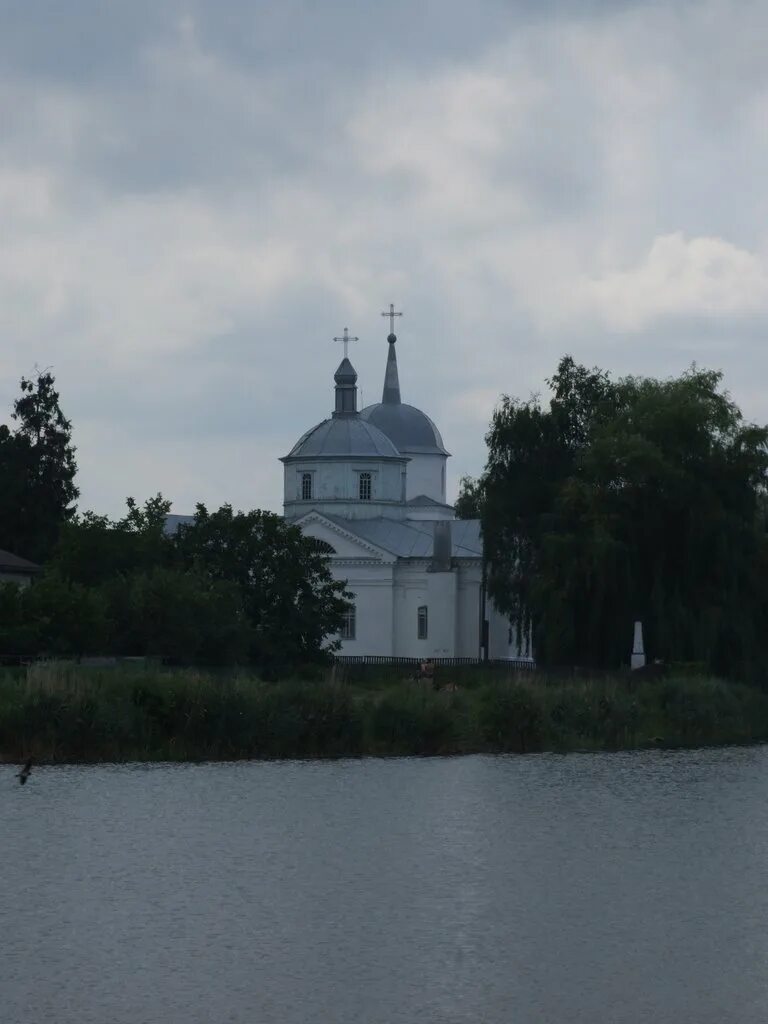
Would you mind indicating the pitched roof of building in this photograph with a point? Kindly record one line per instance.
(13, 563)
(424, 501)
(414, 538)
(174, 521)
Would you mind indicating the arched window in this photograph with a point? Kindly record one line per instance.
(422, 622)
(365, 487)
(306, 486)
(349, 624)
(322, 547)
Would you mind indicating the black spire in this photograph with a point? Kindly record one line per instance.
(391, 393)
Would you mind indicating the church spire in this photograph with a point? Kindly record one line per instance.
(346, 382)
(391, 394)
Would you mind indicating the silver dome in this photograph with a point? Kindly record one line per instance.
(407, 427)
(344, 437)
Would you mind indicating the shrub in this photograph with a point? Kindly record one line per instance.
(412, 720)
(510, 717)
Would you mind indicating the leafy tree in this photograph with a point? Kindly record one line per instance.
(637, 498)
(183, 616)
(93, 549)
(18, 633)
(291, 601)
(52, 617)
(37, 464)
(469, 503)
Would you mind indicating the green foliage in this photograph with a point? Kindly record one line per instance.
(184, 617)
(62, 712)
(469, 504)
(228, 589)
(37, 467)
(54, 617)
(634, 499)
(511, 717)
(290, 599)
(308, 720)
(93, 549)
(413, 719)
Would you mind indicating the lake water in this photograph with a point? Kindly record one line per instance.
(596, 888)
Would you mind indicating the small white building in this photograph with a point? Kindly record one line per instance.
(370, 485)
(14, 569)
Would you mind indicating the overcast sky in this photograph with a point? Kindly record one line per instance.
(195, 197)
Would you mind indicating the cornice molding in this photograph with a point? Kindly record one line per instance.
(317, 517)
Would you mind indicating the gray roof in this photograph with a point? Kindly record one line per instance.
(411, 430)
(174, 521)
(345, 373)
(406, 426)
(412, 538)
(424, 501)
(344, 437)
(13, 563)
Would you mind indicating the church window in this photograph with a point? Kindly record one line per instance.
(306, 486)
(365, 487)
(322, 547)
(422, 622)
(349, 624)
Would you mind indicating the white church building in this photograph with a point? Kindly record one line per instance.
(370, 485)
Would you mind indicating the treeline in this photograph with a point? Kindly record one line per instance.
(229, 588)
(623, 500)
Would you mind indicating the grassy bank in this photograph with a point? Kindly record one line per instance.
(62, 713)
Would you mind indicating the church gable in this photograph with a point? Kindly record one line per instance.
(344, 543)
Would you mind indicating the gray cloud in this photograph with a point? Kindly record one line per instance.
(197, 197)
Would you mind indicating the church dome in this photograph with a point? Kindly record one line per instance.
(344, 437)
(407, 427)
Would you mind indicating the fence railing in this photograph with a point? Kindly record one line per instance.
(522, 664)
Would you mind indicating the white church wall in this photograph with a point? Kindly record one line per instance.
(468, 611)
(441, 600)
(336, 487)
(429, 513)
(498, 632)
(372, 587)
(426, 475)
(415, 587)
(502, 636)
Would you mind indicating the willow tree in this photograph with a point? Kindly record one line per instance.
(630, 499)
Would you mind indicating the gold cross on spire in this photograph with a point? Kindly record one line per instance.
(391, 314)
(346, 339)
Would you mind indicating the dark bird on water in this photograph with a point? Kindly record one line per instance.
(25, 772)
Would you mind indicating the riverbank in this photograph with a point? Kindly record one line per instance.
(65, 713)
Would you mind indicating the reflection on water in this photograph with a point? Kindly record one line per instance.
(606, 888)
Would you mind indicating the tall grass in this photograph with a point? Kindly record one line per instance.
(62, 712)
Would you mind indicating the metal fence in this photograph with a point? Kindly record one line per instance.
(383, 660)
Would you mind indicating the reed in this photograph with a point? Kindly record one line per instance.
(62, 712)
